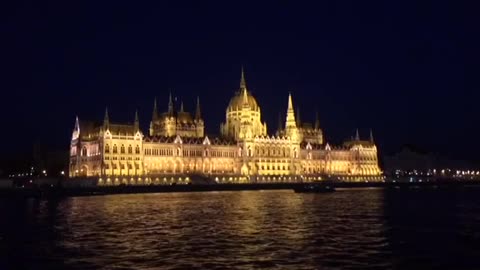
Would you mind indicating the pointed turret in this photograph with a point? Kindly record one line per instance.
(76, 129)
(357, 135)
(290, 121)
(371, 136)
(136, 124)
(317, 121)
(198, 115)
(170, 104)
(155, 110)
(106, 119)
(243, 84)
(77, 123)
(181, 106)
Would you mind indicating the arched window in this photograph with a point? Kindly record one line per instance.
(107, 149)
(84, 151)
(137, 150)
(130, 149)
(114, 148)
(249, 151)
(122, 149)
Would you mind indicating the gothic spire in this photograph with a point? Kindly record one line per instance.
(198, 115)
(290, 121)
(317, 121)
(77, 123)
(357, 135)
(170, 104)
(181, 106)
(243, 84)
(290, 103)
(136, 124)
(106, 120)
(155, 110)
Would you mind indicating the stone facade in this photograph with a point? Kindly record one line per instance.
(176, 145)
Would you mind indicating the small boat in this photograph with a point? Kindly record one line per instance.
(314, 188)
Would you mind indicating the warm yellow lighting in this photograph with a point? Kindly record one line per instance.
(176, 145)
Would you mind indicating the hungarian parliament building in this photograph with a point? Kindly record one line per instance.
(176, 148)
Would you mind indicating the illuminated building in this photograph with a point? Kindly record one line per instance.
(176, 146)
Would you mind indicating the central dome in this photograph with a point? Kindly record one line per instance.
(243, 117)
(236, 103)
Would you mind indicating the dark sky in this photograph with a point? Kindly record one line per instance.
(406, 69)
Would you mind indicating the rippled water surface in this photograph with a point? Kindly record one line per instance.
(374, 228)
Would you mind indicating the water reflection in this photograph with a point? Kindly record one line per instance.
(434, 228)
(244, 230)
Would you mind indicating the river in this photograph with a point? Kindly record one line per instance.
(347, 229)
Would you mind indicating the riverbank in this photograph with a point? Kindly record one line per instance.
(58, 191)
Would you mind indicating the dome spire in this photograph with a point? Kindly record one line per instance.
(245, 97)
(357, 135)
(243, 84)
(317, 121)
(371, 136)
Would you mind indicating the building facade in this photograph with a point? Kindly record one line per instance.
(177, 146)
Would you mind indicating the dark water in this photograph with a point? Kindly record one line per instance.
(348, 229)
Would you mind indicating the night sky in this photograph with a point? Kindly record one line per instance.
(407, 69)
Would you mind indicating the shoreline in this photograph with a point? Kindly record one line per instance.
(58, 191)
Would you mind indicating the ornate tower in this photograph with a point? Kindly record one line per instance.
(199, 123)
(291, 129)
(243, 115)
(106, 120)
(136, 124)
(154, 118)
